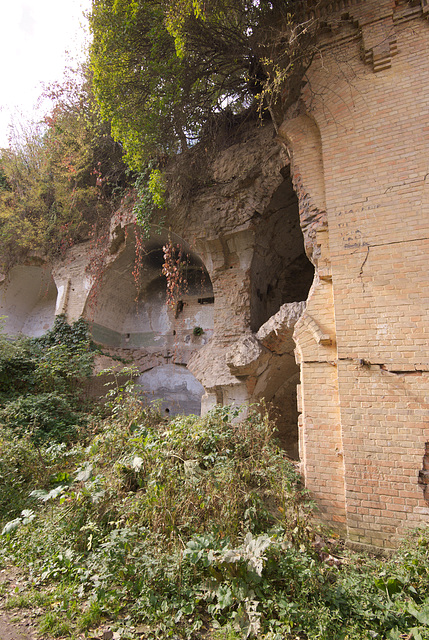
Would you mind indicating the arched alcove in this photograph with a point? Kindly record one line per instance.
(139, 325)
(174, 386)
(129, 319)
(28, 300)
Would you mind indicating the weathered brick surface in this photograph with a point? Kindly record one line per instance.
(367, 398)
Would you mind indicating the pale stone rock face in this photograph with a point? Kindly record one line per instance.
(209, 365)
(28, 300)
(276, 333)
(244, 357)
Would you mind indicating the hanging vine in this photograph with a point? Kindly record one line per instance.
(139, 253)
(174, 269)
(150, 196)
(96, 266)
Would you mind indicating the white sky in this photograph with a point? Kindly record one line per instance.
(38, 40)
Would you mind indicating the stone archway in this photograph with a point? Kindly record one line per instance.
(140, 327)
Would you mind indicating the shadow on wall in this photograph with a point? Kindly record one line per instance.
(281, 276)
(28, 300)
(280, 270)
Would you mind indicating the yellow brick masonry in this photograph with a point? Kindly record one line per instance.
(364, 397)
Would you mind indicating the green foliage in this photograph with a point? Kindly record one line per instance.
(44, 417)
(128, 516)
(198, 527)
(137, 77)
(58, 179)
(19, 467)
(16, 367)
(25, 467)
(64, 356)
(156, 188)
(150, 195)
(163, 69)
(41, 380)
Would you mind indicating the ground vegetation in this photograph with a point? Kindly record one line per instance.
(42, 403)
(191, 527)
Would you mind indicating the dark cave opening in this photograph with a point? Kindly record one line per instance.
(280, 273)
(280, 270)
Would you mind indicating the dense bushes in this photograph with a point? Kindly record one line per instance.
(59, 180)
(196, 528)
(188, 528)
(41, 382)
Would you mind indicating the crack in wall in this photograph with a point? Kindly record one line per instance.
(383, 244)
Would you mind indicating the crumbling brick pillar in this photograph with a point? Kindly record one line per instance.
(320, 436)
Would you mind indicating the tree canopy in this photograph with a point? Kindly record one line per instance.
(58, 178)
(162, 68)
(161, 75)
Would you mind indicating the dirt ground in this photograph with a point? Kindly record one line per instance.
(20, 624)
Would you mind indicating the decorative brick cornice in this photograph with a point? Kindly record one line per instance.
(380, 44)
(374, 20)
(325, 10)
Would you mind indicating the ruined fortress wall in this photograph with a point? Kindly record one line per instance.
(345, 184)
(365, 359)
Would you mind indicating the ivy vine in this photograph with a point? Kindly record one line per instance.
(150, 195)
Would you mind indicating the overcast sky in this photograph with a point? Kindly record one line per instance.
(38, 39)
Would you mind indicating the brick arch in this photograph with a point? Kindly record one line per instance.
(302, 138)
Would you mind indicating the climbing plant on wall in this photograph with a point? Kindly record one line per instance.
(174, 271)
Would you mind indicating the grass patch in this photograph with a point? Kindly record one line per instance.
(54, 624)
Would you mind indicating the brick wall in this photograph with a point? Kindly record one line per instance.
(364, 389)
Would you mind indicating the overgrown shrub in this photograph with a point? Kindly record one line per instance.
(61, 179)
(42, 382)
(199, 528)
(26, 466)
(44, 417)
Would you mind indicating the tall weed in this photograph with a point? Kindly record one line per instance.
(200, 528)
